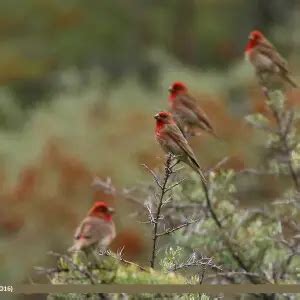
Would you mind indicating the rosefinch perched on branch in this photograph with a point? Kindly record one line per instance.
(186, 110)
(96, 229)
(266, 60)
(173, 141)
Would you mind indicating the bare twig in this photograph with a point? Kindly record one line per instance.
(155, 177)
(119, 256)
(163, 187)
(217, 166)
(155, 210)
(171, 230)
(209, 204)
(196, 260)
(107, 187)
(234, 252)
(169, 188)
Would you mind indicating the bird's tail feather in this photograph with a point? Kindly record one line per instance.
(203, 178)
(216, 136)
(290, 81)
(192, 162)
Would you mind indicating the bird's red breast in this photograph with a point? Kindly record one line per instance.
(159, 127)
(255, 37)
(101, 210)
(105, 217)
(250, 45)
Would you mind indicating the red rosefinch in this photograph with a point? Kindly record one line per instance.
(96, 229)
(186, 110)
(268, 63)
(173, 141)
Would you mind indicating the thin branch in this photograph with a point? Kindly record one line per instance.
(155, 177)
(195, 261)
(163, 187)
(217, 166)
(209, 205)
(109, 188)
(171, 230)
(169, 188)
(106, 185)
(234, 253)
(150, 214)
(119, 257)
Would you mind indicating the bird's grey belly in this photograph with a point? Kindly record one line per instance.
(170, 146)
(263, 63)
(187, 115)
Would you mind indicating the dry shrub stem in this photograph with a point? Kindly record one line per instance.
(163, 189)
(119, 256)
(234, 253)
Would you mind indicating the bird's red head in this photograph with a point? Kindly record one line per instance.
(164, 117)
(177, 88)
(255, 37)
(101, 210)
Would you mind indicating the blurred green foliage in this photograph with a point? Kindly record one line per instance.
(72, 270)
(257, 245)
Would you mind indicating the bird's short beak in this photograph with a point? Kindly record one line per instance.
(111, 210)
(156, 116)
(250, 37)
(170, 89)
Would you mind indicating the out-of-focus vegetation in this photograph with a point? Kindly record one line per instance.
(257, 245)
(80, 82)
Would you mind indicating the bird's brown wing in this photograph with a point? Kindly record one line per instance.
(266, 48)
(190, 102)
(93, 230)
(176, 135)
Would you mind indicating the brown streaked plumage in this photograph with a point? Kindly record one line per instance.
(172, 140)
(96, 229)
(186, 110)
(266, 59)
